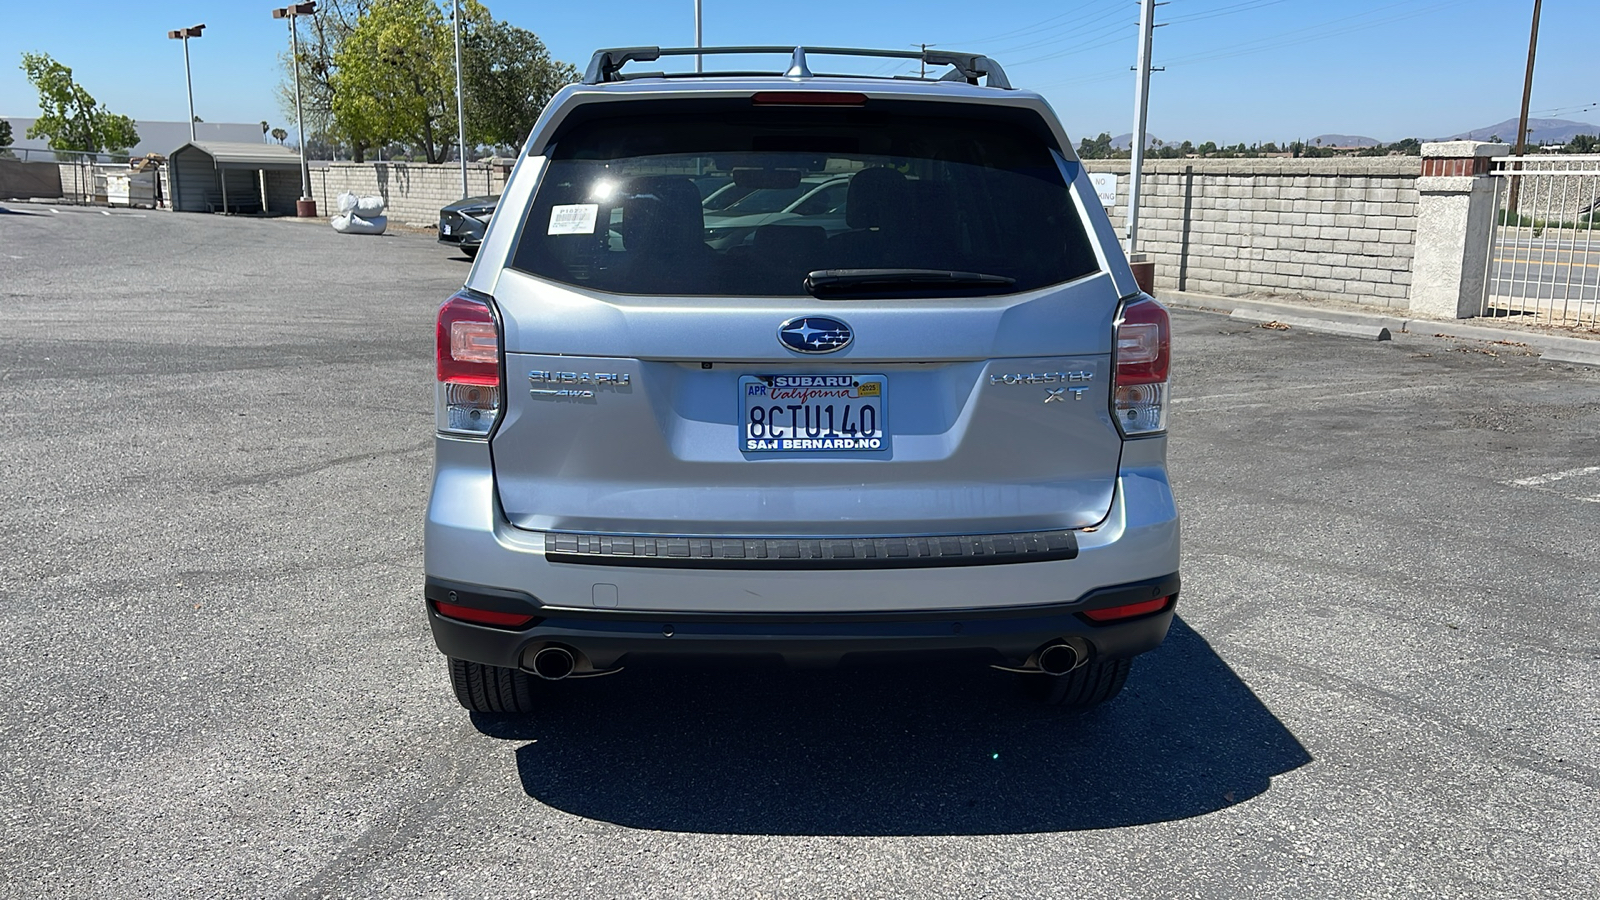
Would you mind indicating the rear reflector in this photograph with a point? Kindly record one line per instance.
(808, 98)
(482, 616)
(1114, 613)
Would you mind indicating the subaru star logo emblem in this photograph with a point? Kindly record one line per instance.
(815, 334)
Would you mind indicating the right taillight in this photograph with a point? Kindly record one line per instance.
(1142, 357)
(467, 397)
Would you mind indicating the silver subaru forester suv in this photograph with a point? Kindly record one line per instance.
(800, 366)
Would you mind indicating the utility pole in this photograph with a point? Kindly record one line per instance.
(184, 34)
(461, 105)
(1141, 101)
(1522, 122)
(306, 208)
(698, 59)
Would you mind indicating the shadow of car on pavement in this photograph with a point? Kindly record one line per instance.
(898, 752)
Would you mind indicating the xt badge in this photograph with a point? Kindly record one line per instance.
(1059, 395)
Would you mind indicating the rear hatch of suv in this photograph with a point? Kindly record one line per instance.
(923, 350)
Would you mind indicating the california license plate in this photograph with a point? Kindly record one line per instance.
(817, 413)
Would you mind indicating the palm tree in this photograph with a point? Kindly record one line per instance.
(279, 135)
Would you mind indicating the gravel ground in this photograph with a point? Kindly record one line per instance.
(215, 440)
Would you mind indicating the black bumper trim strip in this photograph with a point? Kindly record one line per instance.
(659, 551)
(516, 601)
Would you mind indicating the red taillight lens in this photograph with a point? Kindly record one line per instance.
(1114, 613)
(468, 363)
(482, 616)
(1143, 357)
(808, 98)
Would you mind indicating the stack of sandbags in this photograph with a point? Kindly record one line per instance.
(360, 215)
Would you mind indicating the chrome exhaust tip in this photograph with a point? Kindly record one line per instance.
(1059, 659)
(554, 663)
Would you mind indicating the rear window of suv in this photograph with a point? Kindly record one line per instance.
(718, 199)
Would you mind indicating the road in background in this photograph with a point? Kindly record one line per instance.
(217, 680)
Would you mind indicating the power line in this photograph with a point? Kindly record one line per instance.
(1232, 10)
(1073, 51)
(1316, 32)
(1033, 28)
(1082, 38)
(1037, 38)
(1567, 110)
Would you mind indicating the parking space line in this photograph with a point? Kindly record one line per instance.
(1279, 390)
(1546, 478)
(1412, 389)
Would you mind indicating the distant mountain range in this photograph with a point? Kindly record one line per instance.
(1540, 131)
(1124, 141)
(1343, 140)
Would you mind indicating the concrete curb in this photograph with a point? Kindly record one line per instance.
(1572, 357)
(1325, 326)
(1550, 347)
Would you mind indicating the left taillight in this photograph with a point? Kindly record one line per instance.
(467, 396)
(1143, 358)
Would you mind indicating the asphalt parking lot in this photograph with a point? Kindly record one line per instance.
(217, 681)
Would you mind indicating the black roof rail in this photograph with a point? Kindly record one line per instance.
(606, 65)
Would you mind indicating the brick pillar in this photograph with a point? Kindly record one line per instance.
(1455, 213)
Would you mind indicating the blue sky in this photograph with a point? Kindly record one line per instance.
(1237, 70)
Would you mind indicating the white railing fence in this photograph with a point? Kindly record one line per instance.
(1544, 255)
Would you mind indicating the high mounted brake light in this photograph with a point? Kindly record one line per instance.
(808, 98)
(467, 396)
(1143, 356)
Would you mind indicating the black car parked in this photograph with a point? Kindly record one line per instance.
(463, 222)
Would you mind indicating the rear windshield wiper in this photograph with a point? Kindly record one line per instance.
(902, 282)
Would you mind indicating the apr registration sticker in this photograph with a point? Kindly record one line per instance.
(815, 413)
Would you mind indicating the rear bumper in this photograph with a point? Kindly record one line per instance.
(1003, 611)
(607, 638)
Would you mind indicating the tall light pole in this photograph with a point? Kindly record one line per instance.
(307, 207)
(184, 34)
(698, 64)
(1141, 102)
(461, 106)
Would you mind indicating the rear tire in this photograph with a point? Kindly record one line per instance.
(471, 252)
(493, 689)
(1086, 686)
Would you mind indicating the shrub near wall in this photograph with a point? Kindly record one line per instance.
(1341, 229)
(414, 192)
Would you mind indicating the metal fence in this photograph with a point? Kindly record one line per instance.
(1544, 258)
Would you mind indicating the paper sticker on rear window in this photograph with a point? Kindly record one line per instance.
(576, 218)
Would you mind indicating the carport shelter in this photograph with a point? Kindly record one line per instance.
(216, 176)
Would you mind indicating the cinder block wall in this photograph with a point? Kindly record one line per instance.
(414, 192)
(1340, 229)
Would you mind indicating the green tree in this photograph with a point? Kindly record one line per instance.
(394, 76)
(279, 135)
(5, 137)
(1580, 143)
(508, 77)
(69, 118)
(321, 36)
(1099, 148)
